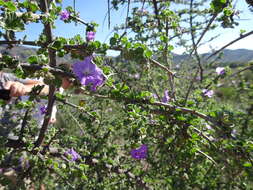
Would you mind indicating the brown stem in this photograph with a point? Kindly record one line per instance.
(52, 63)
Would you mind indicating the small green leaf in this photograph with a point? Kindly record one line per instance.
(33, 59)
(10, 6)
(113, 41)
(247, 164)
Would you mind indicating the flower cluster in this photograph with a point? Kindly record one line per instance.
(23, 164)
(208, 93)
(220, 70)
(73, 154)
(64, 15)
(166, 97)
(139, 153)
(88, 73)
(90, 35)
(43, 110)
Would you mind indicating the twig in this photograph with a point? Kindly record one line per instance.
(30, 43)
(52, 63)
(194, 44)
(190, 87)
(76, 107)
(162, 67)
(170, 106)
(230, 43)
(204, 136)
(109, 13)
(208, 157)
(23, 125)
(242, 70)
(78, 124)
(79, 20)
(157, 14)
(204, 32)
(55, 71)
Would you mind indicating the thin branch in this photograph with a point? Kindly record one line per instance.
(194, 44)
(76, 107)
(190, 87)
(109, 13)
(204, 136)
(19, 42)
(55, 71)
(208, 157)
(162, 67)
(242, 70)
(52, 63)
(204, 32)
(79, 20)
(170, 106)
(230, 43)
(157, 14)
(76, 121)
(23, 125)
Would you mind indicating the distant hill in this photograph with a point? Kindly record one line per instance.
(229, 56)
(23, 52)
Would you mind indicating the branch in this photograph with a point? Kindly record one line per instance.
(204, 32)
(242, 70)
(55, 71)
(76, 107)
(162, 67)
(52, 63)
(156, 103)
(194, 44)
(208, 157)
(23, 125)
(230, 43)
(157, 14)
(30, 43)
(79, 20)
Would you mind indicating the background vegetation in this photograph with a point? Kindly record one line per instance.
(193, 141)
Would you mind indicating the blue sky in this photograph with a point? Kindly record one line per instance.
(96, 10)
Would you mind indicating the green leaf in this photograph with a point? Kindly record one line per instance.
(247, 164)
(10, 6)
(33, 59)
(148, 53)
(113, 41)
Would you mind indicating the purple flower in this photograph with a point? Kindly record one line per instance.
(208, 93)
(88, 73)
(155, 96)
(166, 97)
(198, 78)
(139, 153)
(64, 15)
(74, 155)
(23, 164)
(90, 35)
(43, 110)
(220, 70)
(208, 126)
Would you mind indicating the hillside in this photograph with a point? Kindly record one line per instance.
(228, 57)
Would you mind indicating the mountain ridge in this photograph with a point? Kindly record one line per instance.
(229, 56)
